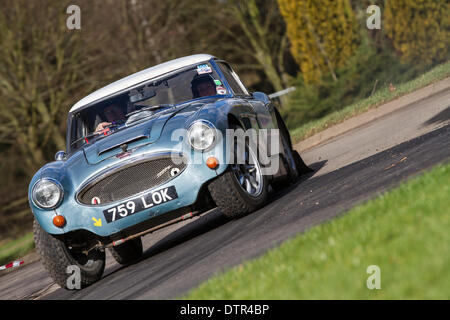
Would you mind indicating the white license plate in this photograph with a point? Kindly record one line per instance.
(146, 201)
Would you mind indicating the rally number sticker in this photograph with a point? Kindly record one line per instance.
(203, 68)
(149, 200)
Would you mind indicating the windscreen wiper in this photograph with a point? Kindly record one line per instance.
(148, 108)
(103, 132)
(85, 138)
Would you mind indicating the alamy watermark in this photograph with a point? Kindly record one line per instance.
(73, 21)
(233, 148)
(374, 280)
(74, 279)
(374, 20)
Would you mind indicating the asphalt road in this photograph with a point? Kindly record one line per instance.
(350, 169)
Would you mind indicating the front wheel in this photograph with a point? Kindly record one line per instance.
(56, 257)
(243, 188)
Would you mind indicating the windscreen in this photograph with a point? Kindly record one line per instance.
(144, 101)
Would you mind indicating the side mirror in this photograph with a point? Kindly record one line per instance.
(60, 156)
(261, 97)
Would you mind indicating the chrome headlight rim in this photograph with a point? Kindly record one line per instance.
(207, 124)
(57, 184)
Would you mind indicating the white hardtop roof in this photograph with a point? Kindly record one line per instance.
(141, 76)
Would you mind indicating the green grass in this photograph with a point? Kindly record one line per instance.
(15, 249)
(381, 96)
(404, 231)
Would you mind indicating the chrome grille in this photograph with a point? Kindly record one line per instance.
(131, 179)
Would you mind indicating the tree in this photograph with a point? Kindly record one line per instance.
(250, 34)
(322, 34)
(253, 33)
(419, 29)
(42, 68)
(144, 33)
(262, 25)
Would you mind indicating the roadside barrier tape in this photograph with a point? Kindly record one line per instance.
(11, 265)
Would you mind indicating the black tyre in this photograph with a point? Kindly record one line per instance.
(293, 162)
(289, 160)
(243, 188)
(301, 165)
(56, 256)
(127, 252)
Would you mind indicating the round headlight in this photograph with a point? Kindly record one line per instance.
(201, 135)
(47, 194)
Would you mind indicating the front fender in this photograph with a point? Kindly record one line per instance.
(220, 114)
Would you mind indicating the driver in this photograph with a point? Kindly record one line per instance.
(112, 113)
(203, 86)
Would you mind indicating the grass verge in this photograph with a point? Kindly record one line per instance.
(15, 249)
(404, 232)
(384, 95)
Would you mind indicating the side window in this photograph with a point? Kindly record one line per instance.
(232, 79)
(77, 130)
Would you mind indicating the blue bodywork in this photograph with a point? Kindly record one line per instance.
(80, 167)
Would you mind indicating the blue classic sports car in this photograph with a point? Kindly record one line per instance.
(153, 149)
